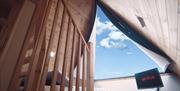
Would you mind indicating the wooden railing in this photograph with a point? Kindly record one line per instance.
(70, 54)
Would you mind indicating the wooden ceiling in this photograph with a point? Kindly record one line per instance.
(157, 20)
(83, 14)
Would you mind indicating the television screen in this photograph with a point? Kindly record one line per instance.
(148, 79)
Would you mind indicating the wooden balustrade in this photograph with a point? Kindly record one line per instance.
(72, 52)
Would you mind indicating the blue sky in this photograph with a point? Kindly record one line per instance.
(116, 55)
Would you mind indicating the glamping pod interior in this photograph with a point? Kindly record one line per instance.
(44, 44)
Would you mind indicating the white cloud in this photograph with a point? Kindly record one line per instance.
(117, 35)
(104, 26)
(115, 38)
(109, 43)
(117, 44)
(105, 43)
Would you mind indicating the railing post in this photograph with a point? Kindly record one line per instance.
(71, 76)
(49, 47)
(84, 68)
(60, 10)
(90, 70)
(78, 65)
(63, 50)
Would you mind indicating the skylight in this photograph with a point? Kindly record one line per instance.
(116, 55)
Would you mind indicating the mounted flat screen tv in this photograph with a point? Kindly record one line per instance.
(149, 79)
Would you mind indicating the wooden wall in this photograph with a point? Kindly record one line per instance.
(12, 41)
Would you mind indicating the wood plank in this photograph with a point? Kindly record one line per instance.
(150, 30)
(84, 69)
(70, 50)
(171, 6)
(29, 43)
(49, 28)
(50, 20)
(31, 74)
(66, 56)
(6, 30)
(79, 31)
(82, 12)
(47, 10)
(156, 25)
(71, 73)
(161, 6)
(49, 45)
(59, 47)
(38, 72)
(14, 47)
(91, 67)
(39, 83)
(14, 85)
(88, 72)
(78, 65)
(38, 46)
(140, 10)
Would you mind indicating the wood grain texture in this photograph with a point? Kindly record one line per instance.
(71, 72)
(38, 46)
(6, 30)
(48, 47)
(66, 53)
(78, 65)
(56, 26)
(82, 13)
(57, 50)
(13, 47)
(84, 78)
